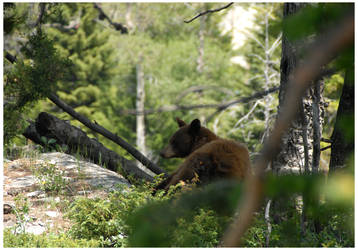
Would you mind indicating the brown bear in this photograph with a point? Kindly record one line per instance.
(208, 157)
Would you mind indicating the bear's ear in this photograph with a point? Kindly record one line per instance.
(181, 123)
(195, 126)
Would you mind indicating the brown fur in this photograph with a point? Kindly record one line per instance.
(208, 157)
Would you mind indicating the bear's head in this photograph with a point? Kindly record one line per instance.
(187, 139)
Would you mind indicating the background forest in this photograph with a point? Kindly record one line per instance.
(96, 57)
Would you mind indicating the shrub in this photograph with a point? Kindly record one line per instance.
(26, 240)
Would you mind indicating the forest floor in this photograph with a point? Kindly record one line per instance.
(38, 191)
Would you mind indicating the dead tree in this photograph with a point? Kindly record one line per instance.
(76, 142)
(140, 118)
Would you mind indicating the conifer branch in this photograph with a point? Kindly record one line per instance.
(208, 12)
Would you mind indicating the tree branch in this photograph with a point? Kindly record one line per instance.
(200, 89)
(42, 7)
(99, 129)
(325, 148)
(242, 100)
(219, 106)
(208, 12)
(102, 15)
(10, 57)
(322, 51)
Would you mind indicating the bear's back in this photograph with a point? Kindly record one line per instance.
(228, 157)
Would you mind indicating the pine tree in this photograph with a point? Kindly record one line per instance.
(84, 41)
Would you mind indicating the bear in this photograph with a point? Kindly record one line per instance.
(207, 156)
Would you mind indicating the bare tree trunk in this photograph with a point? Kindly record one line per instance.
(268, 222)
(291, 157)
(128, 16)
(140, 107)
(140, 121)
(317, 118)
(200, 60)
(269, 73)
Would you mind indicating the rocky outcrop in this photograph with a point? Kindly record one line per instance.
(26, 178)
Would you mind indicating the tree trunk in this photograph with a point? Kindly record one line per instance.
(140, 107)
(140, 122)
(75, 142)
(291, 156)
(342, 146)
(300, 145)
(200, 60)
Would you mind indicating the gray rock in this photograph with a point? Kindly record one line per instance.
(51, 214)
(32, 228)
(84, 192)
(23, 182)
(36, 193)
(95, 175)
(36, 229)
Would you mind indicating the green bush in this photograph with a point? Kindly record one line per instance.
(50, 178)
(133, 217)
(104, 218)
(26, 240)
(203, 230)
(114, 219)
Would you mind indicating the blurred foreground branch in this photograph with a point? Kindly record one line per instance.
(323, 50)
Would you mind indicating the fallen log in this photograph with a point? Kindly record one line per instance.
(76, 142)
(113, 137)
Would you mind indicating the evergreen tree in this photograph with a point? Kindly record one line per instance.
(80, 38)
(32, 75)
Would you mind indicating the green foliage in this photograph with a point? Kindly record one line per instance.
(199, 217)
(13, 18)
(104, 219)
(137, 218)
(21, 211)
(203, 230)
(314, 18)
(182, 212)
(30, 80)
(50, 178)
(26, 240)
